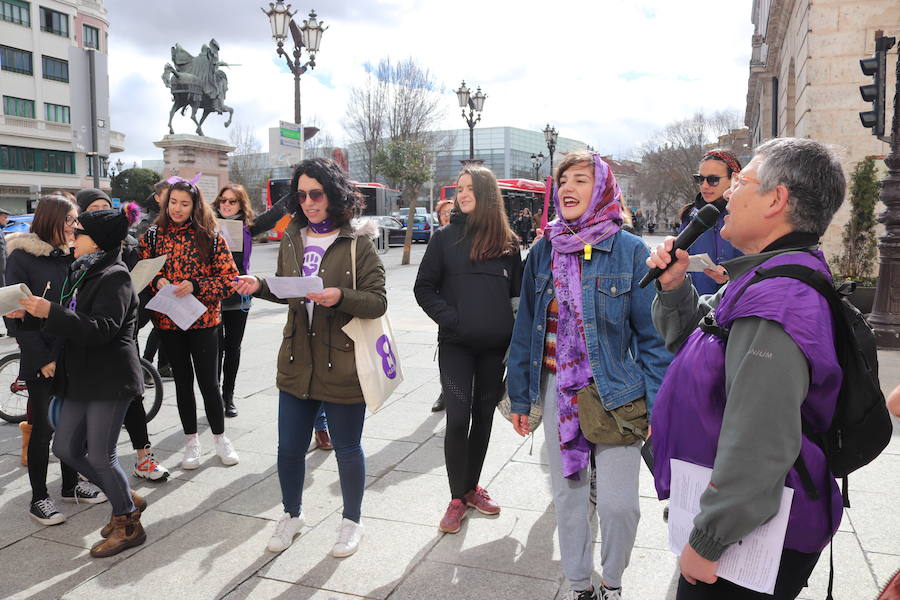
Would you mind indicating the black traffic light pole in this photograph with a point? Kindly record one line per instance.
(876, 67)
(885, 317)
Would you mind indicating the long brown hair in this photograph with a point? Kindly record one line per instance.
(243, 201)
(49, 222)
(487, 226)
(203, 221)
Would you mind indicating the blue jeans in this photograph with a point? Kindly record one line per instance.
(296, 417)
(321, 421)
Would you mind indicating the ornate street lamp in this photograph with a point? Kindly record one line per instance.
(550, 135)
(308, 36)
(537, 160)
(475, 104)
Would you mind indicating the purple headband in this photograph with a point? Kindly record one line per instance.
(192, 181)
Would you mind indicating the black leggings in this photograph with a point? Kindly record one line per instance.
(793, 572)
(472, 382)
(136, 424)
(152, 341)
(199, 346)
(231, 334)
(39, 444)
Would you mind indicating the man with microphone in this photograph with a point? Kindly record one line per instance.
(735, 407)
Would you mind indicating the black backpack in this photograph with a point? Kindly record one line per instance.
(861, 427)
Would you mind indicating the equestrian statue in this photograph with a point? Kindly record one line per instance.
(198, 82)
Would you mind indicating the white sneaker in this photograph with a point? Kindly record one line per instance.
(286, 530)
(349, 534)
(191, 458)
(149, 467)
(227, 454)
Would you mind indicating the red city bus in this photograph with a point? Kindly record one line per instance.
(517, 194)
(379, 200)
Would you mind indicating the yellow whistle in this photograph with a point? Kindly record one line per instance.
(587, 252)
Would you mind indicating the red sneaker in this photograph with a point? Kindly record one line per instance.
(480, 501)
(452, 521)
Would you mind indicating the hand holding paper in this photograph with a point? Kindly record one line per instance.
(183, 311)
(700, 262)
(294, 287)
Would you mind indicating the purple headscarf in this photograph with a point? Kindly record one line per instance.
(601, 220)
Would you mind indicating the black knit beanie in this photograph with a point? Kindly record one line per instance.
(88, 195)
(106, 227)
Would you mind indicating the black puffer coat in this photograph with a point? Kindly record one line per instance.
(99, 360)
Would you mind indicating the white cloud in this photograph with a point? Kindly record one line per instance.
(608, 72)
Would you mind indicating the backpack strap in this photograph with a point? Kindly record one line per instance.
(150, 235)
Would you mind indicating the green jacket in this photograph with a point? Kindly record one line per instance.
(318, 361)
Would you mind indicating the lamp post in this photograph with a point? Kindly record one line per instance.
(537, 160)
(475, 104)
(550, 135)
(308, 36)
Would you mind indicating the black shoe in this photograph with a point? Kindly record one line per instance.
(438, 405)
(230, 409)
(165, 371)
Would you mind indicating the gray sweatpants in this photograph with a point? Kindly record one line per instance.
(617, 503)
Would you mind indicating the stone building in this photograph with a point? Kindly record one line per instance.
(805, 77)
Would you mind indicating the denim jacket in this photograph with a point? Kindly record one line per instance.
(628, 357)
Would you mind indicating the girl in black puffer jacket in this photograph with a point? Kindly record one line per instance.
(468, 280)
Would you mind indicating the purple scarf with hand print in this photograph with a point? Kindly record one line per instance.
(601, 220)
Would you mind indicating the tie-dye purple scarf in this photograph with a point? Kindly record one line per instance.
(601, 220)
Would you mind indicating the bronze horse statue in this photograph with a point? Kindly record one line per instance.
(197, 82)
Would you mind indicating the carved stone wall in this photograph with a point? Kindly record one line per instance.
(185, 155)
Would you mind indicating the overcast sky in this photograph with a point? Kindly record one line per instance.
(608, 72)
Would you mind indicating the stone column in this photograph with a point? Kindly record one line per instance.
(185, 155)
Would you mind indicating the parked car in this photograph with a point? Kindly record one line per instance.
(423, 225)
(404, 212)
(395, 229)
(18, 224)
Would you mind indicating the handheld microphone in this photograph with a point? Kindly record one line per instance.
(705, 218)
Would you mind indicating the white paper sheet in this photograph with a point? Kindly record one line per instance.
(753, 561)
(294, 287)
(700, 262)
(10, 296)
(233, 232)
(144, 272)
(183, 311)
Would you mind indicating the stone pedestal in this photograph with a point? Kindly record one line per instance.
(185, 155)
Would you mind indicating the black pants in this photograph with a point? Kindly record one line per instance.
(136, 424)
(39, 444)
(231, 334)
(195, 351)
(152, 341)
(472, 382)
(793, 572)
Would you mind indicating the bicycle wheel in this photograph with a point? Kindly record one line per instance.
(13, 391)
(153, 395)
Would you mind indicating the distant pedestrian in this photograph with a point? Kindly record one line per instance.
(95, 317)
(233, 204)
(198, 262)
(467, 283)
(146, 464)
(754, 405)
(717, 168)
(444, 209)
(524, 226)
(584, 340)
(317, 363)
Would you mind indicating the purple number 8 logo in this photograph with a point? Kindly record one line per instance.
(388, 361)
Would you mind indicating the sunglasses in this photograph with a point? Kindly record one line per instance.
(710, 179)
(80, 232)
(229, 201)
(314, 194)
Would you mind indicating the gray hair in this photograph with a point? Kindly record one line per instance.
(813, 176)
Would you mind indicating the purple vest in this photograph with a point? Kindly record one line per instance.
(687, 414)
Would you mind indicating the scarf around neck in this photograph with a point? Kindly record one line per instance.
(601, 220)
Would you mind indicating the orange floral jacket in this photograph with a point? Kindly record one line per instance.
(211, 275)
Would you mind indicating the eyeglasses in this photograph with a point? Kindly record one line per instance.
(712, 180)
(71, 221)
(444, 213)
(229, 201)
(741, 179)
(313, 194)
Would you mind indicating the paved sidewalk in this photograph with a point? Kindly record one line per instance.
(207, 529)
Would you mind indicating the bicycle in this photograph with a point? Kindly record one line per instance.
(14, 404)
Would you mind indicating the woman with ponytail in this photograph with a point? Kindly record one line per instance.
(467, 283)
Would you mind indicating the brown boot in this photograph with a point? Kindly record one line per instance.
(25, 428)
(127, 533)
(140, 506)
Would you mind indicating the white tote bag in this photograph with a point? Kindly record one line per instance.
(377, 360)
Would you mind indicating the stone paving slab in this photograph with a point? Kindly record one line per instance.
(61, 567)
(467, 583)
(260, 588)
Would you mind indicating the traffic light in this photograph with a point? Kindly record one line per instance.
(875, 67)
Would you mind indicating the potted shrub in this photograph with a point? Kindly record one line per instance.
(857, 262)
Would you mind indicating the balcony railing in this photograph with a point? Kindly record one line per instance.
(36, 124)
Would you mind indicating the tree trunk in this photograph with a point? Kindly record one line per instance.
(411, 193)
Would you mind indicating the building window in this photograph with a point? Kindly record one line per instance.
(15, 158)
(15, 11)
(56, 69)
(775, 107)
(54, 22)
(18, 107)
(91, 37)
(57, 113)
(104, 162)
(15, 60)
